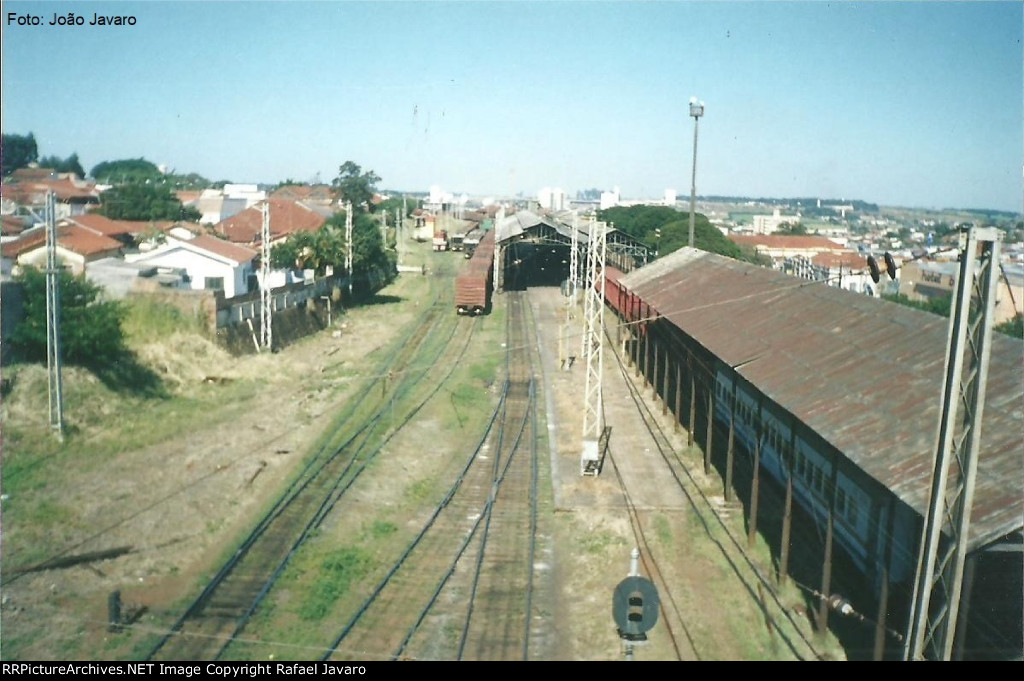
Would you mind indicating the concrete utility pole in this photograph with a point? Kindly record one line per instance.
(348, 245)
(266, 295)
(593, 335)
(940, 567)
(53, 353)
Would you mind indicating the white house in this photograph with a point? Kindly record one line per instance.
(209, 263)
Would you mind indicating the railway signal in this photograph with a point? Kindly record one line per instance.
(635, 606)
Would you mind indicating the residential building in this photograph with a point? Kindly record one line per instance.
(76, 247)
(779, 247)
(28, 187)
(769, 224)
(204, 263)
(286, 217)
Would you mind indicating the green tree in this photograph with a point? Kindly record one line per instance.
(356, 186)
(70, 164)
(125, 171)
(17, 151)
(664, 229)
(327, 248)
(144, 202)
(792, 229)
(311, 250)
(90, 328)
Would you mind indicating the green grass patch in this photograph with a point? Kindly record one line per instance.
(600, 542)
(420, 491)
(337, 570)
(148, 319)
(381, 529)
(663, 530)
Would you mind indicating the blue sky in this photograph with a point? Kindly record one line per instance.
(897, 103)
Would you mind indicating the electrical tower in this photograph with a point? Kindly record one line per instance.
(348, 245)
(940, 569)
(593, 332)
(564, 340)
(53, 354)
(574, 264)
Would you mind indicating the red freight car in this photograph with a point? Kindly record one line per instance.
(474, 285)
(626, 304)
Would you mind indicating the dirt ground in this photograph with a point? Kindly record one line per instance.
(175, 506)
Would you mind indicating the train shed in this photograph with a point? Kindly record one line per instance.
(835, 398)
(536, 248)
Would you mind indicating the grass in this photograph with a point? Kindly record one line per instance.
(333, 577)
(147, 320)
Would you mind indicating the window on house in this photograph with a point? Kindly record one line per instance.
(214, 283)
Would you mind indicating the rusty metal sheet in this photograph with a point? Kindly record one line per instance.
(866, 375)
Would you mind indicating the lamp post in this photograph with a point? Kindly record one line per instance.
(696, 110)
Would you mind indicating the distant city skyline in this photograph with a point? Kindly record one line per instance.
(915, 104)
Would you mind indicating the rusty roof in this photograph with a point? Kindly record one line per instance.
(74, 238)
(865, 374)
(286, 217)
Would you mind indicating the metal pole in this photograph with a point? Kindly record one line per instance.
(696, 110)
(693, 179)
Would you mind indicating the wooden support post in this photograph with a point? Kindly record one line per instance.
(883, 596)
(755, 484)
(691, 425)
(729, 448)
(787, 528)
(647, 354)
(826, 577)
(707, 438)
(654, 372)
(679, 395)
(664, 384)
(883, 612)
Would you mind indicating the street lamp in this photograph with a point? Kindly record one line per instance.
(696, 110)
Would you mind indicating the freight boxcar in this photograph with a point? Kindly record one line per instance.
(474, 285)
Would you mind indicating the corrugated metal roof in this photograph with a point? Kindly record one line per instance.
(865, 374)
(521, 221)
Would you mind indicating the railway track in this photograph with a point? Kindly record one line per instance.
(219, 614)
(791, 634)
(463, 586)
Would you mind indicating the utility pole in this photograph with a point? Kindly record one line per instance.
(593, 334)
(266, 295)
(940, 566)
(348, 245)
(53, 354)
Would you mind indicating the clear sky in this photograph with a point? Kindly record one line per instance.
(914, 104)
